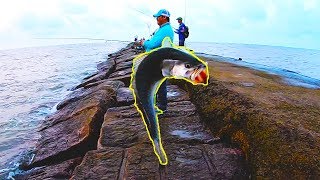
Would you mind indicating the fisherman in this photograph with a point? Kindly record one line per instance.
(180, 31)
(165, 30)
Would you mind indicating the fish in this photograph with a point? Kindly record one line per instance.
(149, 71)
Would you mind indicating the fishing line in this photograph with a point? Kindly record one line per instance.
(116, 40)
(94, 39)
(145, 14)
(106, 40)
(141, 12)
(185, 10)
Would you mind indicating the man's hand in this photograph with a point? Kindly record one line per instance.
(141, 42)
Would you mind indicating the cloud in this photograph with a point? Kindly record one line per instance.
(287, 22)
(310, 5)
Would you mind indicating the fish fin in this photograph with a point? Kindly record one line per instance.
(166, 42)
(157, 110)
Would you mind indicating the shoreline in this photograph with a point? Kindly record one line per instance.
(93, 108)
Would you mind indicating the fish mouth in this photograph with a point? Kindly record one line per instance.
(199, 75)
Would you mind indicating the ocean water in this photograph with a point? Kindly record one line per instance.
(34, 80)
(298, 66)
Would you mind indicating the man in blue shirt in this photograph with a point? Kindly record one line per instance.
(180, 31)
(165, 30)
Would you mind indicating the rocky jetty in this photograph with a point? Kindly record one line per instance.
(276, 125)
(96, 133)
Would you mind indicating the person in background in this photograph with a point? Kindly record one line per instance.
(165, 30)
(180, 31)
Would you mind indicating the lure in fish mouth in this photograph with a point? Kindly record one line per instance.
(149, 71)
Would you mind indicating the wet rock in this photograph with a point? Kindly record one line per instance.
(124, 97)
(123, 112)
(58, 171)
(100, 164)
(107, 85)
(140, 163)
(90, 76)
(128, 59)
(73, 130)
(96, 99)
(121, 73)
(129, 54)
(121, 132)
(137, 162)
(186, 162)
(185, 129)
(125, 79)
(123, 65)
(99, 76)
(174, 93)
(227, 163)
(115, 85)
(204, 162)
(178, 109)
(125, 56)
(105, 65)
(65, 136)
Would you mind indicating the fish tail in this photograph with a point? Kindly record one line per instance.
(159, 151)
(154, 134)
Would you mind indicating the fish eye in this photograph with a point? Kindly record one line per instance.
(187, 65)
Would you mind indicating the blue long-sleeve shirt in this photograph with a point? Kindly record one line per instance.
(156, 40)
(180, 31)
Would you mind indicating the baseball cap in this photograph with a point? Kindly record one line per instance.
(162, 12)
(179, 18)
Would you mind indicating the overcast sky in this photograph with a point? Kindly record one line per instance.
(291, 23)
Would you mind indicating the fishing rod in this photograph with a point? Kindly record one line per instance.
(185, 10)
(141, 12)
(149, 16)
(145, 14)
